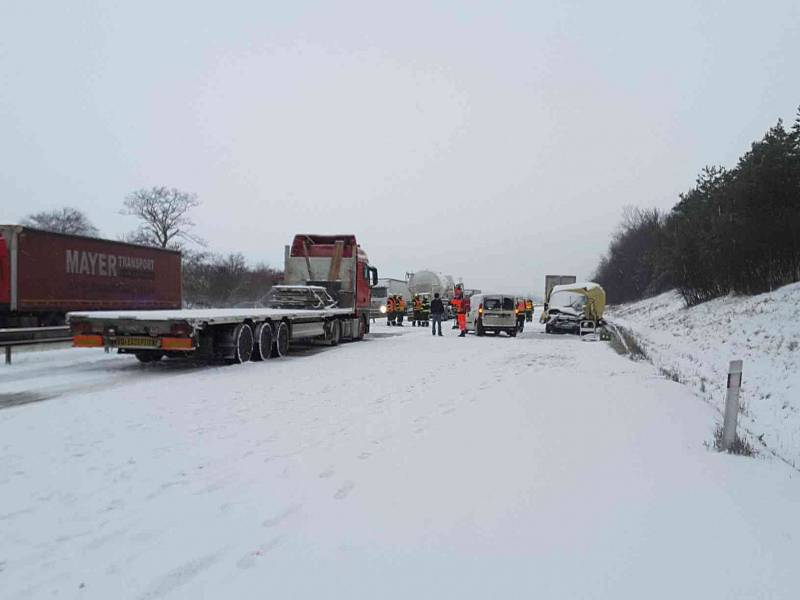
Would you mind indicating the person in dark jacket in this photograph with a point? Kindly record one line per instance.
(437, 313)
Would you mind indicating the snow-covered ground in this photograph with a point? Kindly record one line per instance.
(404, 466)
(697, 345)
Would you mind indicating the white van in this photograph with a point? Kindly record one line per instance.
(492, 312)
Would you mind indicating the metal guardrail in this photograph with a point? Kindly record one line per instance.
(29, 336)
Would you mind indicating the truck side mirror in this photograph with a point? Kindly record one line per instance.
(374, 272)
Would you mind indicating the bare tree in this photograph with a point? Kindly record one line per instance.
(62, 220)
(164, 217)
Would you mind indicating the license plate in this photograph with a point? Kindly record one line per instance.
(137, 341)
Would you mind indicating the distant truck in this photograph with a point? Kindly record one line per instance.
(380, 294)
(574, 308)
(430, 282)
(325, 297)
(553, 280)
(44, 275)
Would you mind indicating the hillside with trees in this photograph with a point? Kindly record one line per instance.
(736, 231)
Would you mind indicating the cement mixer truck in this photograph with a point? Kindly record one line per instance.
(430, 282)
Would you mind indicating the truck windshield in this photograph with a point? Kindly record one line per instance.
(567, 299)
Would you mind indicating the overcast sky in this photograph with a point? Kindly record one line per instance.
(492, 141)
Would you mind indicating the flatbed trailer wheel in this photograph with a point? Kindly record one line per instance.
(281, 347)
(243, 343)
(264, 340)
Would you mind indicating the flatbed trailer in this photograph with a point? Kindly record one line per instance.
(234, 335)
(326, 300)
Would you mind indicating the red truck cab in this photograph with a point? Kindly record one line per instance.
(335, 262)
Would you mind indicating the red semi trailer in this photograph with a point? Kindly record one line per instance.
(44, 275)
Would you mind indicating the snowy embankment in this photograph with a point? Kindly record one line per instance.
(404, 466)
(695, 345)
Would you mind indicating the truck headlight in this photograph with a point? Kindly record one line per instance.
(383, 309)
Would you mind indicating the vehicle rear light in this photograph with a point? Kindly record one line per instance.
(480, 309)
(181, 330)
(87, 341)
(182, 343)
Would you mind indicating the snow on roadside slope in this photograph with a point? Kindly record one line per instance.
(698, 343)
(405, 466)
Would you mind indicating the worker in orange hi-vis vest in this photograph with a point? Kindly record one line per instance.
(416, 318)
(462, 317)
(401, 310)
(520, 310)
(390, 310)
(456, 302)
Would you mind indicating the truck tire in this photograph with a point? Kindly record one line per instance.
(264, 339)
(479, 328)
(512, 332)
(243, 343)
(281, 347)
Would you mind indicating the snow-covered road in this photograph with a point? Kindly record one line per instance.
(404, 466)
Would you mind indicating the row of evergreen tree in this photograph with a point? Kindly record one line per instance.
(736, 231)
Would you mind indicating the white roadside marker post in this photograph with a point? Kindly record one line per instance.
(732, 405)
